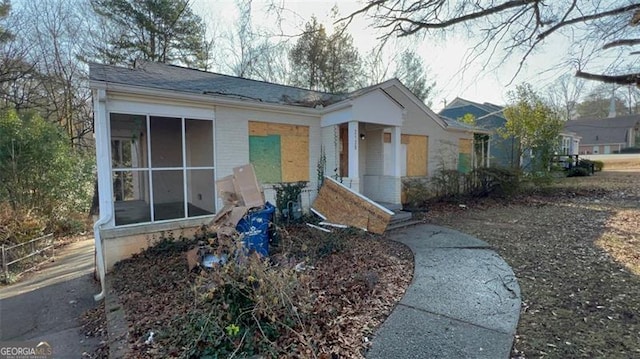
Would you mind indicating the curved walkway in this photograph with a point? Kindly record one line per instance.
(464, 301)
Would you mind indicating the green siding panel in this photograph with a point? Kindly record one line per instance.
(464, 162)
(264, 154)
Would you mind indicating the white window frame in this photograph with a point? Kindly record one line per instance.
(177, 112)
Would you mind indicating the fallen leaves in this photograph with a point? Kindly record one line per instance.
(574, 249)
(354, 285)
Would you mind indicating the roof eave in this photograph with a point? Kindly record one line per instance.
(194, 97)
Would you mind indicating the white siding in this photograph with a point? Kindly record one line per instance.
(378, 108)
(443, 144)
(330, 142)
(232, 139)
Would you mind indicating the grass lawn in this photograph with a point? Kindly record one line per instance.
(575, 250)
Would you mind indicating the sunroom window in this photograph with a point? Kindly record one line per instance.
(162, 168)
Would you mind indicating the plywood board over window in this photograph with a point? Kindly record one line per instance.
(279, 152)
(417, 154)
(464, 155)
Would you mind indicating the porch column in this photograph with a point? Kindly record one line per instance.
(488, 155)
(354, 155)
(396, 151)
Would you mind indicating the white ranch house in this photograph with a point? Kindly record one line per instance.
(165, 134)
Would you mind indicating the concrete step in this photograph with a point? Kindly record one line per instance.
(391, 206)
(404, 224)
(400, 216)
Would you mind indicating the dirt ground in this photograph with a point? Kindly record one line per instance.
(575, 250)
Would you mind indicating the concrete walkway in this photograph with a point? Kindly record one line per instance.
(47, 305)
(464, 301)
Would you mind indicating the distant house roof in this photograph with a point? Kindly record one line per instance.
(488, 115)
(604, 131)
(486, 108)
(181, 79)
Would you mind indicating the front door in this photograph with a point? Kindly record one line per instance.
(344, 150)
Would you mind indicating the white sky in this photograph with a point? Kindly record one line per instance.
(444, 57)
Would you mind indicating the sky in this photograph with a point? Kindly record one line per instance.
(444, 57)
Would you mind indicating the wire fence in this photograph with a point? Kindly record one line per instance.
(18, 258)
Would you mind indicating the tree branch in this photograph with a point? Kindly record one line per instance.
(475, 15)
(621, 42)
(576, 20)
(627, 79)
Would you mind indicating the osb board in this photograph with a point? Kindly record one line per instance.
(295, 158)
(294, 148)
(267, 128)
(404, 139)
(417, 155)
(387, 137)
(464, 145)
(341, 205)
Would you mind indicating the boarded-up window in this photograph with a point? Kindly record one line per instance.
(417, 154)
(279, 152)
(464, 155)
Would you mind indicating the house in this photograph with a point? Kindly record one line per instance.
(606, 135)
(489, 117)
(504, 151)
(569, 143)
(165, 134)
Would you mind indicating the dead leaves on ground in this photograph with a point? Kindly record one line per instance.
(352, 290)
(574, 251)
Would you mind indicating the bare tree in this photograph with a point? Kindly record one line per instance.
(518, 26)
(253, 52)
(564, 95)
(40, 67)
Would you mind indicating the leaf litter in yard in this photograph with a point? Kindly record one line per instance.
(575, 251)
(353, 288)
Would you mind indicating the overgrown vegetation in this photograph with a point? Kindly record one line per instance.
(452, 185)
(318, 294)
(288, 198)
(44, 183)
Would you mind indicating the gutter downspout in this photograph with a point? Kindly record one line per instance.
(106, 210)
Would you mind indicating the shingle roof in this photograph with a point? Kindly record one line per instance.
(603, 131)
(181, 79)
(486, 108)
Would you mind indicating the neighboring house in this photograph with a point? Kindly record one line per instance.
(489, 117)
(606, 135)
(569, 143)
(165, 134)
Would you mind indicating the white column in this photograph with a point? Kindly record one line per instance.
(103, 152)
(488, 155)
(396, 151)
(354, 155)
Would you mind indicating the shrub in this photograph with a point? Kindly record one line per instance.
(598, 165)
(40, 174)
(249, 304)
(416, 193)
(495, 181)
(630, 150)
(287, 193)
(578, 172)
(588, 165)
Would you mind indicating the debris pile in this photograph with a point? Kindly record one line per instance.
(245, 215)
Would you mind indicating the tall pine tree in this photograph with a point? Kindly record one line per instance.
(325, 63)
(154, 30)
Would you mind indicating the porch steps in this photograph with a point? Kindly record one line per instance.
(400, 218)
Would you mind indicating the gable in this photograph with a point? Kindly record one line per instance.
(377, 107)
